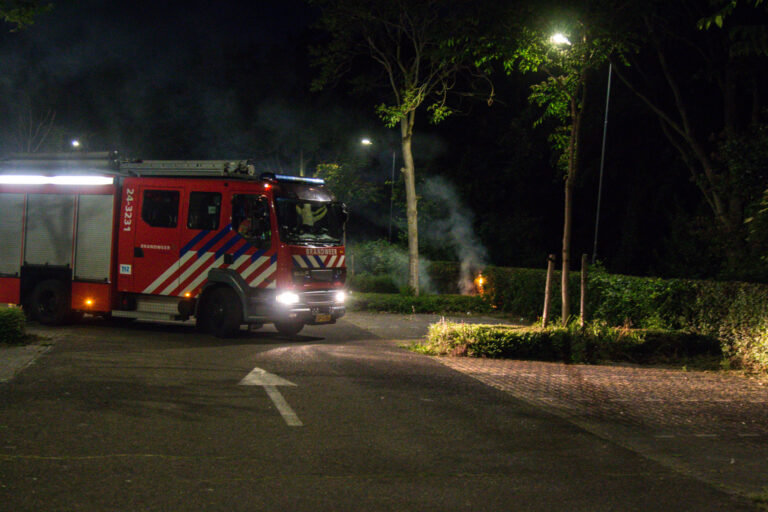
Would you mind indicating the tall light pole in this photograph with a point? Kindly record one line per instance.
(367, 142)
(602, 162)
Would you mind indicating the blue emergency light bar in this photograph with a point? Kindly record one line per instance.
(284, 177)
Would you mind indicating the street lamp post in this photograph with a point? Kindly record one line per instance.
(602, 162)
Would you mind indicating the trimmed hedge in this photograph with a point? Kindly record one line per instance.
(396, 303)
(593, 343)
(735, 313)
(12, 326)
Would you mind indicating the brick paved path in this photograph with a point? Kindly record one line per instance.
(709, 425)
(666, 401)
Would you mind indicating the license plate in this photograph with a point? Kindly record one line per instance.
(321, 318)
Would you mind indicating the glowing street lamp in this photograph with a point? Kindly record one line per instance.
(559, 38)
(75, 144)
(366, 142)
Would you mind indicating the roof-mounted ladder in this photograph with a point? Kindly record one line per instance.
(191, 168)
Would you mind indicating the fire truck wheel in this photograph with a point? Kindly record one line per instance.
(289, 329)
(50, 302)
(221, 313)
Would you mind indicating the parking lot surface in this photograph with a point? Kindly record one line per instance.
(159, 417)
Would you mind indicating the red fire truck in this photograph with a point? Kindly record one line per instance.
(169, 240)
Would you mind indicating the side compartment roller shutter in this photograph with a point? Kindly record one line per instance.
(11, 218)
(94, 237)
(50, 229)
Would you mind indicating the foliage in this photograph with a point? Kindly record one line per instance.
(420, 46)
(419, 50)
(565, 58)
(347, 183)
(21, 13)
(444, 276)
(12, 326)
(564, 65)
(734, 313)
(707, 96)
(587, 44)
(594, 342)
(408, 304)
(746, 38)
(520, 291)
(380, 258)
(476, 340)
(743, 326)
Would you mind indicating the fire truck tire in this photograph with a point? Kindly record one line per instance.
(50, 302)
(289, 329)
(221, 313)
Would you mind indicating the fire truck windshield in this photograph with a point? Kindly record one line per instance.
(309, 222)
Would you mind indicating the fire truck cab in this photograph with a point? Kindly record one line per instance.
(169, 240)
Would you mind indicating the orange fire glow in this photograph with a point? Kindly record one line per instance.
(480, 283)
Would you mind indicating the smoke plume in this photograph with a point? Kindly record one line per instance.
(453, 228)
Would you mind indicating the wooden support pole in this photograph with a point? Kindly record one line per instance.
(583, 303)
(548, 289)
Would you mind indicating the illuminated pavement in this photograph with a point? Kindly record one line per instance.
(711, 426)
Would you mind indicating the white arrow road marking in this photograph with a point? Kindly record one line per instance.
(270, 381)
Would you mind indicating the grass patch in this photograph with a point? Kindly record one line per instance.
(593, 343)
(760, 499)
(405, 304)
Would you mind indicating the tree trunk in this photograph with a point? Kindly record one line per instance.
(406, 129)
(548, 289)
(570, 179)
(583, 301)
(568, 215)
(574, 144)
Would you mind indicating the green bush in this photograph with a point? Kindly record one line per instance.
(735, 313)
(474, 340)
(520, 291)
(401, 303)
(444, 276)
(594, 342)
(12, 326)
(383, 260)
(744, 328)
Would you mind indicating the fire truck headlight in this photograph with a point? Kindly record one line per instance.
(340, 297)
(287, 298)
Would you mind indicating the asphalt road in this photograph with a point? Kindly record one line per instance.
(149, 417)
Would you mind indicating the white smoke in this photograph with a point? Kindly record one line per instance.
(455, 230)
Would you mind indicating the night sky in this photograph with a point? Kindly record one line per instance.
(165, 78)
